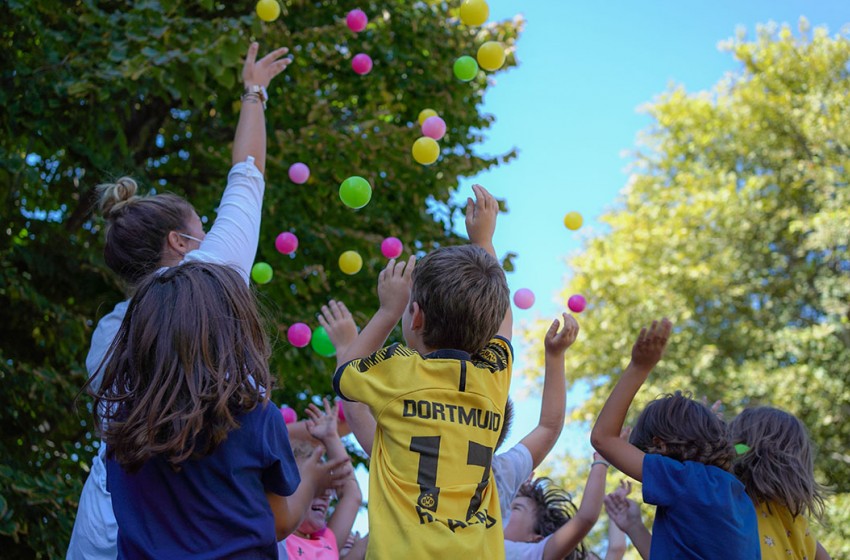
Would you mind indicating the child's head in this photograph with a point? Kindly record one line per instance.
(463, 296)
(316, 517)
(683, 429)
(189, 357)
(539, 510)
(779, 464)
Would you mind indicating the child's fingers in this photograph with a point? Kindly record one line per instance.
(553, 329)
(274, 55)
(327, 406)
(251, 57)
(409, 266)
(322, 321)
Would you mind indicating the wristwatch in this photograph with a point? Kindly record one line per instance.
(260, 91)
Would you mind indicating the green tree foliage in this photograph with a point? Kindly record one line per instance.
(734, 224)
(93, 90)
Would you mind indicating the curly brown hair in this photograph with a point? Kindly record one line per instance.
(553, 508)
(684, 429)
(779, 465)
(190, 356)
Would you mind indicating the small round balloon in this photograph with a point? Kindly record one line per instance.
(577, 303)
(391, 247)
(491, 55)
(434, 127)
(286, 243)
(361, 64)
(524, 298)
(355, 192)
(465, 68)
(350, 262)
(426, 150)
(356, 20)
(474, 12)
(298, 335)
(268, 10)
(425, 114)
(289, 414)
(261, 273)
(299, 173)
(321, 343)
(573, 220)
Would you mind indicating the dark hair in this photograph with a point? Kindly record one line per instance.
(137, 227)
(463, 294)
(779, 466)
(507, 422)
(189, 357)
(681, 428)
(553, 508)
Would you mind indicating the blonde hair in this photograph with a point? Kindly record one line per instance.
(779, 465)
(115, 196)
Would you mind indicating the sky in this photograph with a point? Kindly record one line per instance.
(571, 108)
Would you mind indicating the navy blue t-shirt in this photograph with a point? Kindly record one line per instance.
(214, 507)
(703, 511)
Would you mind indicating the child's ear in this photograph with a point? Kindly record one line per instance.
(176, 243)
(417, 317)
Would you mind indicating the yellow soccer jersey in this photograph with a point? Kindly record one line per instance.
(782, 535)
(431, 493)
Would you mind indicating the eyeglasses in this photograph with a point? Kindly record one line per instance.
(187, 236)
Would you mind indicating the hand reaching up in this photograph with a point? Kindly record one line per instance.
(339, 324)
(556, 342)
(394, 284)
(625, 513)
(322, 425)
(325, 475)
(481, 218)
(650, 345)
(260, 72)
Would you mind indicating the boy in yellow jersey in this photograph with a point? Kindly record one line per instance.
(438, 401)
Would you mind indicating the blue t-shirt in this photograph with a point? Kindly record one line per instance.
(214, 507)
(703, 511)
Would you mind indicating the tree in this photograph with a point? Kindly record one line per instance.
(96, 89)
(734, 225)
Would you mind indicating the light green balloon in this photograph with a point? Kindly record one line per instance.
(355, 192)
(261, 273)
(465, 68)
(321, 343)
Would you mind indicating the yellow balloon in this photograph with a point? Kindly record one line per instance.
(573, 220)
(268, 10)
(474, 12)
(426, 150)
(350, 262)
(425, 113)
(491, 55)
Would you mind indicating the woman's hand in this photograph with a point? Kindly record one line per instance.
(261, 72)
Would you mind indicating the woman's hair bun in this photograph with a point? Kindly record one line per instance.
(117, 195)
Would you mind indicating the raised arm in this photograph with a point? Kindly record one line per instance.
(322, 425)
(570, 534)
(625, 514)
(605, 436)
(250, 138)
(542, 438)
(480, 226)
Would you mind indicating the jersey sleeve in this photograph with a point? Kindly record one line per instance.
(372, 380)
(665, 480)
(497, 356)
(280, 472)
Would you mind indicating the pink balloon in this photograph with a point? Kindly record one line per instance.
(340, 412)
(286, 243)
(361, 63)
(299, 335)
(524, 298)
(299, 173)
(391, 247)
(434, 127)
(577, 303)
(289, 414)
(356, 20)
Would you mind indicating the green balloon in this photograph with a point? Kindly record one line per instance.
(355, 192)
(321, 343)
(465, 68)
(261, 273)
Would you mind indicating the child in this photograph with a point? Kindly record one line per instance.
(316, 537)
(776, 465)
(439, 401)
(197, 462)
(544, 523)
(681, 451)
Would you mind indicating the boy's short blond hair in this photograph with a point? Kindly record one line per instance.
(463, 295)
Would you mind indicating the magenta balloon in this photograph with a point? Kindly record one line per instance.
(524, 298)
(434, 127)
(356, 20)
(299, 334)
(299, 173)
(577, 303)
(286, 243)
(289, 414)
(361, 63)
(391, 247)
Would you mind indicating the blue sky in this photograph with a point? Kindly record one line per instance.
(571, 108)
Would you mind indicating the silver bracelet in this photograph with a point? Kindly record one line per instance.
(606, 463)
(255, 97)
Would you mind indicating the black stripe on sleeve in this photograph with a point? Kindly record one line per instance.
(338, 378)
(462, 385)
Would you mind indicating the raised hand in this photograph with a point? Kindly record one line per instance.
(625, 513)
(322, 425)
(261, 72)
(394, 284)
(650, 345)
(556, 342)
(339, 324)
(481, 218)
